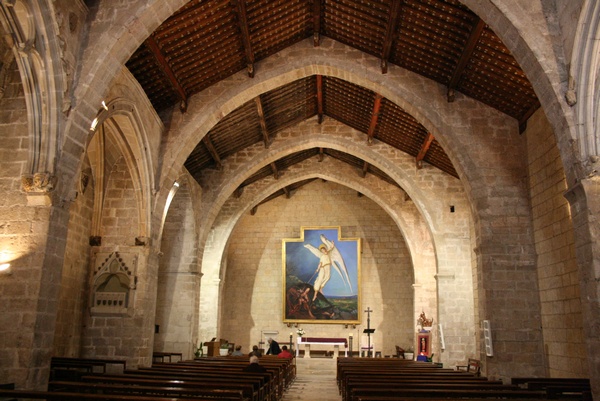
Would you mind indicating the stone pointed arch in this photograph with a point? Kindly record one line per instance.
(32, 30)
(121, 121)
(389, 198)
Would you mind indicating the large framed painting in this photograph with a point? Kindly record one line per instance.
(321, 277)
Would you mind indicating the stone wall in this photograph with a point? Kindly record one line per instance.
(554, 241)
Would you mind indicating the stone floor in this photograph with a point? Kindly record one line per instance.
(315, 380)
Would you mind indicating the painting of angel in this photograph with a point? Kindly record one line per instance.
(321, 274)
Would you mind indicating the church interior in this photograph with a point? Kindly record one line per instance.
(166, 168)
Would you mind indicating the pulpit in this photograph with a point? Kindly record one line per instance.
(214, 347)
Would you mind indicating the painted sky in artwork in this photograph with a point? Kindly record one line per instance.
(303, 263)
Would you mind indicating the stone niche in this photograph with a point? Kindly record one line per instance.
(113, 284)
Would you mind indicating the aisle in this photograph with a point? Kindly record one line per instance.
(315, 380)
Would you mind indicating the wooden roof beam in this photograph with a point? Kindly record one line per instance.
(287, 192)
(389, 34)
(320, 98)
(263, 122)
(365, 169)
(374, 118)
(525, 117)
(213, 151)
(316, 23)
(275, 170)
(424, 148)
(243, 24)
(474, 36)
(238, 192)
(321, 155)
(168, 71)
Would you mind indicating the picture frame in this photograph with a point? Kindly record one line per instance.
(321, 277)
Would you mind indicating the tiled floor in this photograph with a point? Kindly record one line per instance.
(315, 380)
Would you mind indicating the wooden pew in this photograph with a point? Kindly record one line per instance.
(69, 367)
(66, 396)
(264, 381)
(557, 387)
(356, 393)
(283, 369)
(170, 390)
(249, 391)
(286, 369)
(161, 356)
(394, 379)
(391, 398)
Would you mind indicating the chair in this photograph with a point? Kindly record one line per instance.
(472, 366)
(399, 352)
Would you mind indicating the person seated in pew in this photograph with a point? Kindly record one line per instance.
(274, 348)
(254, 366)
(285, 353)
(255, 351)
(238, 351)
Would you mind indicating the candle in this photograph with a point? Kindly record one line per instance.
(291, 334)
(350, 335)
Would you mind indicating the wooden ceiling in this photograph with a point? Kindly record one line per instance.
(209, 40)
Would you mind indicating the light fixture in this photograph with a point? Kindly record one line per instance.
(94, 123)
(4, 267)
(104, 106)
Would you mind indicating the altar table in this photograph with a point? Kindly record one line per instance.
(308, 341)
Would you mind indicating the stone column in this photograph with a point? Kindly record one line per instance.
(584, 199)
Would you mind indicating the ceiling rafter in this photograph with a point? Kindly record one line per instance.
(208, 41)
(474, 35)
(523, 120)
(263, 122)
(320, 98)
(212, 151)
(274, 170)
(316, 15)
(168, 71)
(389, 34)
(365, 169)
(424, 148)
(374, 118)
(240, 9)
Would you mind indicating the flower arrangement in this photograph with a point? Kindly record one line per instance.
(423, 321)
(300, 332)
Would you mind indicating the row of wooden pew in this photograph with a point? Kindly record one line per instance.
(391, 379)
(202, 379)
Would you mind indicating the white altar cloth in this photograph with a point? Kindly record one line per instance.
(315, 341)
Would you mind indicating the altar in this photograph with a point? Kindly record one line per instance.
(308, 341)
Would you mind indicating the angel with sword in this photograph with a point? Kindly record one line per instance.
(328, 255)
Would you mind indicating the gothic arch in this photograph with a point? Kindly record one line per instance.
(120, 122)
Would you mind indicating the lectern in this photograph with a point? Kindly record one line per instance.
(368, 332)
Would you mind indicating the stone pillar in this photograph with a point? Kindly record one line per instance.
(584, 199)
(33, 241)
(508, 297)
